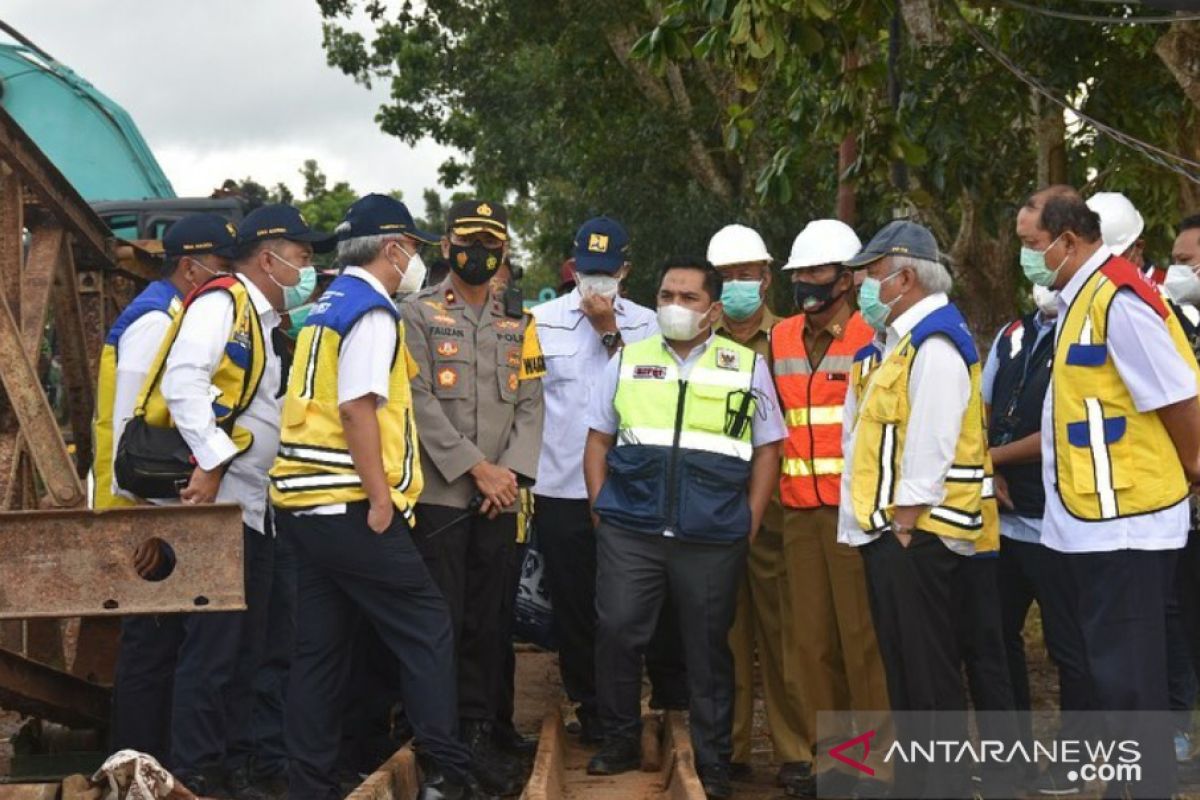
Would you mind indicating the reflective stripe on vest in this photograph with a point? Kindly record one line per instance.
(689, 440)
(821, 415)
(804, 467)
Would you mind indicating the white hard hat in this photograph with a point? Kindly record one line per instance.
(736, 244)
(1120, 222)
(823, 241)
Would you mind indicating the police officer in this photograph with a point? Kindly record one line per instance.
(478, 403)
(681, 459)
(913, 494)
(345, 485)
(195, 248)
(739, 254)
(1120, 444)
(833, 651)
(219, 385)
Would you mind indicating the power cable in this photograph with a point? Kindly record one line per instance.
(1099, 18)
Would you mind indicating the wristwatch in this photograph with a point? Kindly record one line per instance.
(610, 339)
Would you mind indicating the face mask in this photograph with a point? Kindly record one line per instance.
(296, 295)
(474, 264)
(1046, 301)
(813, 298)
(298, 316)
(212, 273)
(412, 278)
(741, 298)
(1033, 262)
(874, 311)
(602, 285)
(1182, 284)
(680, 324)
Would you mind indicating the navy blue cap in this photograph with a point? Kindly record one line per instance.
(380, 215)
(281, 221)
(601, 245)
(199, 234)
(898, 238)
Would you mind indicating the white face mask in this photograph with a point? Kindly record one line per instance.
(681, 324)
(598, 284)
(1046, 300)
(1182, 284)
(413, 277)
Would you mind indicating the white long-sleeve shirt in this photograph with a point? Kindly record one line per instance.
(136, 349)
(939, 390)
(188, 390)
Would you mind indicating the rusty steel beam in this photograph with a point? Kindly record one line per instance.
(76, 562)
(54, 192)
(40, 431)
(79, 354)
(40, 691)
(47, 251)
(12, 241)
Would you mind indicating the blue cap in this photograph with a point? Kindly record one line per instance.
(380, 215)
(601, 245)
(198, 234)
(281, 221)
(898, 238)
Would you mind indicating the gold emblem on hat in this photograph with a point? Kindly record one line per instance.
(232, 230)
(597, 243)
(484, 210)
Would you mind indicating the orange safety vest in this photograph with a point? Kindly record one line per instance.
(812, 401)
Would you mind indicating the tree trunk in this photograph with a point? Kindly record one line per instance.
(847, 198)
(1051, 144)
(983, 271)
(1179, 49)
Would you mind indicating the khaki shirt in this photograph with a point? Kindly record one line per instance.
(478, 394)
(760, 342)
(817, 342)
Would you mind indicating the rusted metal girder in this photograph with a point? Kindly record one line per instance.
(44, 692)
(77, 562)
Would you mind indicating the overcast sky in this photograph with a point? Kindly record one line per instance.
(230, 89)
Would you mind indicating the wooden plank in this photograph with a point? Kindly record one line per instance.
(397, 779)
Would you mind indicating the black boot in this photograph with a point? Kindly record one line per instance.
(241, 787)
(439, 786)
(715, 780)
(619, 754)
(509, 741)
(494, 772)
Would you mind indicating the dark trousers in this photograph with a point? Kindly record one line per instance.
(468, 560)
(635, 573)
(568, 545)
(1181, 673)
(347, 575)
(506, 678)
(912, 593)
(141, 718)
(373, 692)
(270, 683)
(1122, 614)
(213, 693)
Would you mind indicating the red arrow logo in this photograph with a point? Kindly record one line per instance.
(865, 740)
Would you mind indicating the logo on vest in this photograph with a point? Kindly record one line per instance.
(727, 359)
(647, 372)
(447, 378)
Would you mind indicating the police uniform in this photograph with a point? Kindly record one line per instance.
(354, 344)
(675, 520)
(477, 396)
(149, 644)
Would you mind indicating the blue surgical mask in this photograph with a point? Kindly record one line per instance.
(874, 311)
(297, 295)
(741, 298)
(1033, 263)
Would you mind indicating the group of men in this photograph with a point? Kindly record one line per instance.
(715, 491)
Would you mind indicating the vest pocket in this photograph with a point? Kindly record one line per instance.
(713, 499)
(1099, 456)
(634, 495)
(706, 407)
(882, 403)
(451, 374)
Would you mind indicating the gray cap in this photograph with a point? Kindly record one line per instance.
(898, 238)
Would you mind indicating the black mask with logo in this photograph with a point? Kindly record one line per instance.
(474, 263)
(813, 298)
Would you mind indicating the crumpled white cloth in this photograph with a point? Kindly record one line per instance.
(130, 775)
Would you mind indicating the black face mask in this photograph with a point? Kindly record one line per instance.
(474, 263)
(813, 298)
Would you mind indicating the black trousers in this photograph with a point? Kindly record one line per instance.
(1028, 572)
(468, 560)
(1122, 614)
(913, 594)
(568, 544)
(213, 691)
(635, 573)
(506, 678)
(1181, 672)
(348, 575)
(271, 680)
(141, 718)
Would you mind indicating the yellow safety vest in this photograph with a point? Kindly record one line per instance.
(314, 466)
(968, 510)
(160, 296)
(238, 373)
(1111, 459)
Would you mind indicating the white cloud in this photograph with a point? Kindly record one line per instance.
(229, 89)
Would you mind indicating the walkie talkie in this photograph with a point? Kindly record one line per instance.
(514, 298)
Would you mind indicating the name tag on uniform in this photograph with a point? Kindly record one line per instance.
(645, 372)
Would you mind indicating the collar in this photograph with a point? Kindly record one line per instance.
(372, 281)
(576, 298)
(764, 326)
(1043, 322)
(695, 352)
(836, 327)
(1068, 293)
(903, 324)
(262, 306)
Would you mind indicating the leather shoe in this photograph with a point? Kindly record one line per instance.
(509, 741)
(715, 780)
(616, 756)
